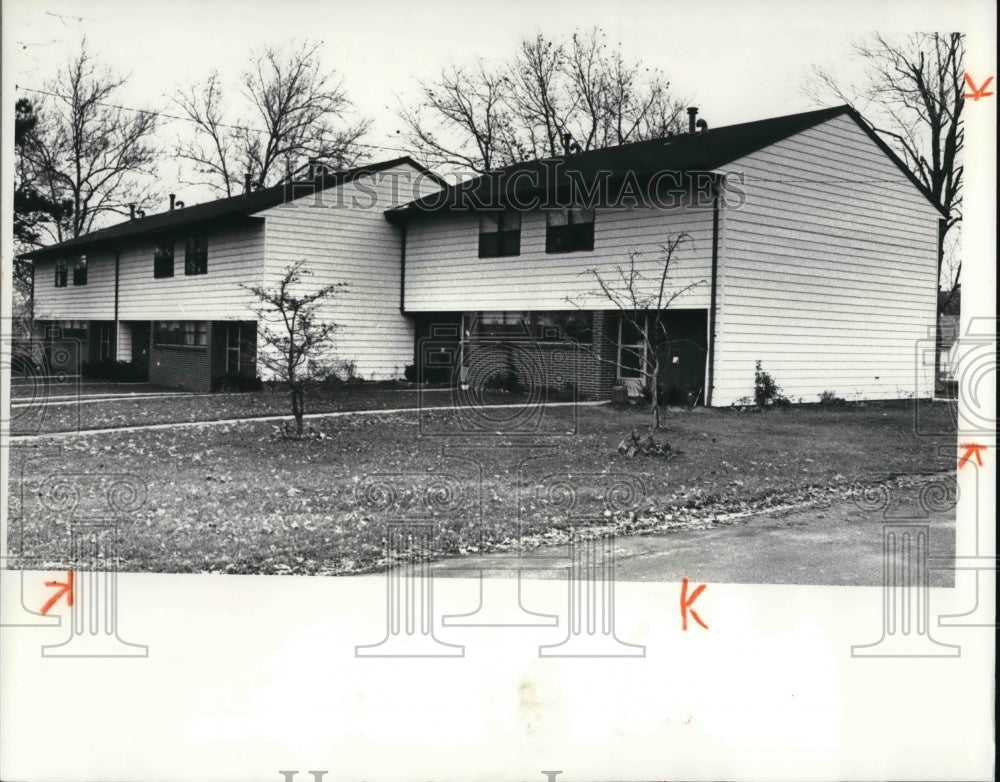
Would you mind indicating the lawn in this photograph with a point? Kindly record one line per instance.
(76, 410)
(239, 498)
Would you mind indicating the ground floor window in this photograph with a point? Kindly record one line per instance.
(574, 325)
(187, 333)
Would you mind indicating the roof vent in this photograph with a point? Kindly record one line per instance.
(173, 198)
(702, 126)
(131, 211)
(179, 205)
(692, 118)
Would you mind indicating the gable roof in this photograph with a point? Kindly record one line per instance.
(681, 153)
(222, 210)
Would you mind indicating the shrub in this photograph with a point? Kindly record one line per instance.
(830, 398)
(233, 383)
(112, 370)
(765, 390)
(503, 381)
(410, 372)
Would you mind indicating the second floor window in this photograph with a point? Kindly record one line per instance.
(61, 273)
(163, 259)
(80, 271)
(196, 256)
(569, 230)
(499, 234)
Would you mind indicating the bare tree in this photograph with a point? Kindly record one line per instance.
(914, 92)
(289, 109)
(296, 342)
(88, 154)
(492, 115)
(641, 301)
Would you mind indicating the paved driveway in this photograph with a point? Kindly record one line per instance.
(832, 545)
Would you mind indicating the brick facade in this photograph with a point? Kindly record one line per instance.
(557, 365)
(182, 366)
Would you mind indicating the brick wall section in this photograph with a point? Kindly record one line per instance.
(557, 365)
(184, 367)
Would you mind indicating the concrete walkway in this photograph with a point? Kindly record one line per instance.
(19, 438)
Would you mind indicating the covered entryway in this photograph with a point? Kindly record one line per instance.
(682, 345)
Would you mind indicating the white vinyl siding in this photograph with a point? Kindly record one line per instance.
(124, 342)
(444, 272)
(829, 272)
(93, 301)
(235, 257)
(346, 239)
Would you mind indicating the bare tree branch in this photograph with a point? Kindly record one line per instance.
(493, 115)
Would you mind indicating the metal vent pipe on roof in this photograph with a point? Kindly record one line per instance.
(692, 118)
(173, 199)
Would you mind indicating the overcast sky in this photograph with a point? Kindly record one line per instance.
(736, 61)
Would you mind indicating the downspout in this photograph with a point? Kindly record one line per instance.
(117, 335)
(402, 273)
(31, 301)
(717, 188)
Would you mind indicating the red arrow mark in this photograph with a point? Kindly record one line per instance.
(65, 588)
(971, 449)
(977, 92)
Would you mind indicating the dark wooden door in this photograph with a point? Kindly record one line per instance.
(682, 360)
(140, 349)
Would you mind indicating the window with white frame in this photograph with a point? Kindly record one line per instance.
(631, 346)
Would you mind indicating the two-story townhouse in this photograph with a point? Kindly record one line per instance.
(168, 292)
(808, 247)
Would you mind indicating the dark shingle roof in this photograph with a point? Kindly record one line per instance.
(221, 211)
(681, 153)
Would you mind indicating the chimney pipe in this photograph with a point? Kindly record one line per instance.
(692, 117)
(173, 198)
(131, 211)
(246, 184)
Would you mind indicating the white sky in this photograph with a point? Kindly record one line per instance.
(736, 61)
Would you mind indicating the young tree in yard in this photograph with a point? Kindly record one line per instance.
(488, 116)
(914, 93)
(86, 154)
(296, 343)
(289, 109)
(641, 300)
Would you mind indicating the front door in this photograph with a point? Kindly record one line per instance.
(140, 349)
(682, 359)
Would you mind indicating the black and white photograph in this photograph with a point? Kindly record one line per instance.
(555, 391)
